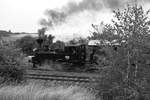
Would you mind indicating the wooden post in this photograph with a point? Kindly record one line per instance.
(136, 65)
(128, 68)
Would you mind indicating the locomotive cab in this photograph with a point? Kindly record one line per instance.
(73, 54)
(76, 54)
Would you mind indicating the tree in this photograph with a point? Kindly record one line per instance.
(130, 29)
(132, 26)
(27, 44)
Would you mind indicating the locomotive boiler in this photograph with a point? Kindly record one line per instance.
(72, 54)
(79, 55)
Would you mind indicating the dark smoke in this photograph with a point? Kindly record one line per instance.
(113, 3)
(54, 18)
(145, 1)
(84, 5)
(58, 16)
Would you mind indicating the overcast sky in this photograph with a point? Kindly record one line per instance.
(25, 15)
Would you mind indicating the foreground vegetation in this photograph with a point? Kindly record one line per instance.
(39, 92)
(127, 78)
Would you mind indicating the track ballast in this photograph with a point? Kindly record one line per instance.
(44, 74)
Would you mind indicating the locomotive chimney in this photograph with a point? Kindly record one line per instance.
(41, 33)
(39, 41)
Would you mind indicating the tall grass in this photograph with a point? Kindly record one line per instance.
(39, 92)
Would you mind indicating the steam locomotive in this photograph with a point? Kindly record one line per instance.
(73, 54)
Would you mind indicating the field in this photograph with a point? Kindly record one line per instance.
(39, 92)
(14, 37)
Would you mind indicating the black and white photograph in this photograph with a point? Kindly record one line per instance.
(74, 49)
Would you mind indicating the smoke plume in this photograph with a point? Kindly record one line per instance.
(113, 3)
(59, 16)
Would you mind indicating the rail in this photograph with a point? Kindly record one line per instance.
(60, 76)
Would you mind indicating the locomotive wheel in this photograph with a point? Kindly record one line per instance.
(34, 66)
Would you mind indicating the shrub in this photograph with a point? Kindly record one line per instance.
(11, 62)
(27, 44)
(11, 73)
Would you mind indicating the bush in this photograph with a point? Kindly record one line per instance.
(11, 60)
(27, 44)
(11, 73)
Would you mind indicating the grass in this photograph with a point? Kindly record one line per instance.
(40, 92)
(14, 37)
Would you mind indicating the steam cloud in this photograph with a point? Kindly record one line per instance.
(58, 16)
(113, 3)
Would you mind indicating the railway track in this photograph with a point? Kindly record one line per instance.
(43, 74)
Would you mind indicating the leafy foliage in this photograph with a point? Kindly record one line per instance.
(130, 29)
(26, 44)
(11, 73)
(11, 62)
(132, 26)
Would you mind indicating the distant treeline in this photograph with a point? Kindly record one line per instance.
(7, 33)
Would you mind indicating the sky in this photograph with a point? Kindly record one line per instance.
(67, 18)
